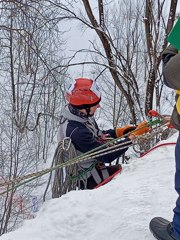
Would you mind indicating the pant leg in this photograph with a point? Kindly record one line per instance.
(176, 219)
(91, 183)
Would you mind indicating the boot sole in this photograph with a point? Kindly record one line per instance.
(154, 234)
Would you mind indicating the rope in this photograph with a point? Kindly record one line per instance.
(78, 159)
(62, 182)
(86, 156)
(83, 172)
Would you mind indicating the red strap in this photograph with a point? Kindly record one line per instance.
(160, 145)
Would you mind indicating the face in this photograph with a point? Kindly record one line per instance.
(92, 109)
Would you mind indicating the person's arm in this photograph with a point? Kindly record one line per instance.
(120, 132)
(84, 141)
(131, 131)
(171, 67)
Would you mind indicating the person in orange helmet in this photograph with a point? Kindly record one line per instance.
(83, 96)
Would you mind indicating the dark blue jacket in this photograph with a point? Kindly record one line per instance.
(86, 135)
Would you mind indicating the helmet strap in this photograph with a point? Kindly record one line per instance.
(88, 111)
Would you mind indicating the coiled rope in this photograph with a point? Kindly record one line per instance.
(100, 151)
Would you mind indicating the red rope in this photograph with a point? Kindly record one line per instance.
(160, 145)
(120, 170)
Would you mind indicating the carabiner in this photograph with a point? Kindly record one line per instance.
(66, 142)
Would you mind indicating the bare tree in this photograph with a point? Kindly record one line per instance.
(132, 38)
(31, 89)
(155, 45)
(125, 57)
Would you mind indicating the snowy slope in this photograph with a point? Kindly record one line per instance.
(120, 210)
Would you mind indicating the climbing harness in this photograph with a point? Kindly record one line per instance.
(71, 161)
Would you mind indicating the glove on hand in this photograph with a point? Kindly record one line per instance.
(124, 130)
(141, 129)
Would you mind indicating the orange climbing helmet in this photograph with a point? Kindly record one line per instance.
(83, 92)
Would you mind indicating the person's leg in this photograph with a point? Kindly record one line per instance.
(176, 219)
(113, 169)
(91, 183)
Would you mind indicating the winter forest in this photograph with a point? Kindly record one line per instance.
(122, 43)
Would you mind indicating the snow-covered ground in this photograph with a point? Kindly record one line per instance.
(120, 210)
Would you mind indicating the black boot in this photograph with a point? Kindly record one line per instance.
(161, 229)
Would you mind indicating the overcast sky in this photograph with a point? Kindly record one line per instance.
(78, 38)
